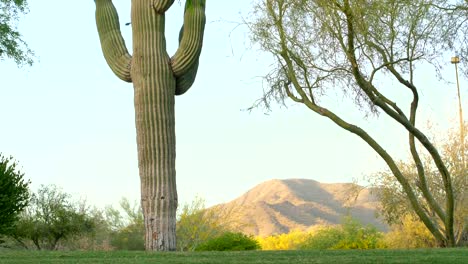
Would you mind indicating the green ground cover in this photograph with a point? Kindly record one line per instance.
(458, 256)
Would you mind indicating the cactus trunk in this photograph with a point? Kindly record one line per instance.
(154, 86)
(156, 78)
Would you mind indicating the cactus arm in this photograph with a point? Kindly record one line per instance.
(186, 56)
(184, 82)
(112, 43)
(162, 6)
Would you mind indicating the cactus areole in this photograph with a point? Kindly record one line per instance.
(156, 79)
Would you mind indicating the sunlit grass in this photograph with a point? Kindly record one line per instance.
(459, 255)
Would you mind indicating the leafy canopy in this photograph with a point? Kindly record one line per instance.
(14, 194)
(50, 218)
(12, 46)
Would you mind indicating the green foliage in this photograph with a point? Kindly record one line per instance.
(97, 239)
(114, 229)
(395, 204)
(411, 233)
(353, 50)
(127, 232)
(349, 235)
(130, 237)
(197, 225)
(356, 236)
(324, 238)
(50, 218)
(229, 241)
(11, 44)
(14, 194)
(290, 241)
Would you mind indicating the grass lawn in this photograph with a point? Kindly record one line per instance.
(427, 256)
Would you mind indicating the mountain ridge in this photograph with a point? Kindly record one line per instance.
(280, 206)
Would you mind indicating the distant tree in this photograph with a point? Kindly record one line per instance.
(394, 203)
(11, 44)
(51, 217)
(354, 49)
(14, 194)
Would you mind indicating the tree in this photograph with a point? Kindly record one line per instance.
(14, 194)
(156, 79)
(354, 48)
(392, 198)
(50, 218)
(11, 44)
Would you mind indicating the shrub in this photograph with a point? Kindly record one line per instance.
(357, 236)
(411, 233)
(128, 231)
(229, 241)
(290, 241)
(197, 225)
(130, 237)
(324, 238)
(350, 235)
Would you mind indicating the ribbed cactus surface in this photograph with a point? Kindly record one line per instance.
(156, 78)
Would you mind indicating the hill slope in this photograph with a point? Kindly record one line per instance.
(278, 206)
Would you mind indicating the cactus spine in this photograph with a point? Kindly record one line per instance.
(156, 79)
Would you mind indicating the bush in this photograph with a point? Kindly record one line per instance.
(229, 241)
(196, 225)
(357, 236)
(411, 233)
(128, 231)
(130, 237)
(290, 241)
(324, 238)
(350, 235)
(14, 194)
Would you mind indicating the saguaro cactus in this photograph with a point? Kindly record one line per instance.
(156, 78)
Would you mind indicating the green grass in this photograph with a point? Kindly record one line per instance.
(427, 256)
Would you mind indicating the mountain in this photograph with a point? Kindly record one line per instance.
(279, 206)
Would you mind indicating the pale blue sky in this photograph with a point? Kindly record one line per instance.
(69, 121)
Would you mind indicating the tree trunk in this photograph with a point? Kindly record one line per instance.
(154, 87)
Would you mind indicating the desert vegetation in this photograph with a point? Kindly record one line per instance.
(53, 220)
(421, 200)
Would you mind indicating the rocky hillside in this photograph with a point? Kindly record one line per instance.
(278, 206)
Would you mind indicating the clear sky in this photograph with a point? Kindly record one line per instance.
(69, 121)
